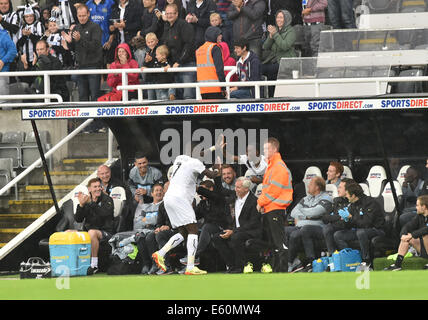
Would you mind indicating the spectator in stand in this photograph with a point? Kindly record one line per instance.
(30, 32)
(142, 177)
(341, 14)
(157, 57)
(248, 18)
(228, 177)
(151, 19)
(138, 45)
(292, 6)
(55, 40)
(126, 20)
(276, 196)
(334, 172)
(179, 37)
(216, 21)
(87, 37)
(209, 64)
(44, 17)
(364, 219)
(123, 60)
(96, 212)
(313, 20)
(248, 69)
(308, 224)
(223, 7)
(246, 224)
(65, 13)
(100, 14)
(9, 19)
(198, 15)
(46, 61)
(181, 9)
(332, 220)
(415, 234)
(7, 55)
(412, 189)
(279, 44)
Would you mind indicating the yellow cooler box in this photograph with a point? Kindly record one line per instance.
(70, 253)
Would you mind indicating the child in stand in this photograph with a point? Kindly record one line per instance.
(157, 57)
(54, 40)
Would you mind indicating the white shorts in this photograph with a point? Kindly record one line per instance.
(180, 212)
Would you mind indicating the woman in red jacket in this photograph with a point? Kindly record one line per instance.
(123, 60)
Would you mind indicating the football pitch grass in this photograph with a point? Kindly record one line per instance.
(407, 285)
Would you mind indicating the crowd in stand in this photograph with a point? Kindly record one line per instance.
(90, 35)
(243, 224)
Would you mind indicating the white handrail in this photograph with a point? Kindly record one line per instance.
(28, 97)
(47, 155)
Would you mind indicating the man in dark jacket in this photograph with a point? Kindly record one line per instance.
(179, 37)
(87, 37)
(96, 211)
(332, 220)
(248, 69)
(246, 225)
(46, 61)
(248, 18)
(198, 15)
(364, 219)
(415, 234)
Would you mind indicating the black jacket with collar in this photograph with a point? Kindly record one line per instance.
(333, 216)
(417, 227)
(366, 212)
(97, 215)
(249, 219)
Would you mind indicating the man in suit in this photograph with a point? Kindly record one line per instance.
(246, 224)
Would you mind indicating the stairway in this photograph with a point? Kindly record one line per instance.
(34, 200)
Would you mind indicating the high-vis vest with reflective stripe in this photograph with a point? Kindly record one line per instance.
(205, 71)
(277, 191)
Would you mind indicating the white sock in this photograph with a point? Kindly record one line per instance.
(192, 245)
(174, 241)
(94, 262)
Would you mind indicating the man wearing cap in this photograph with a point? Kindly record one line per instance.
(209, 64)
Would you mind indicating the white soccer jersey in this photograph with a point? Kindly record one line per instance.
(258, 171)
(185, 172)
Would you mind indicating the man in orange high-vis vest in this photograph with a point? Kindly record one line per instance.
(277, 195)
(209, 64)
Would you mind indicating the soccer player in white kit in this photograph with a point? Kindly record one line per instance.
(178, 204)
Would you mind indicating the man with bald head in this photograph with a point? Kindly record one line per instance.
(307, 216)
(107, 182)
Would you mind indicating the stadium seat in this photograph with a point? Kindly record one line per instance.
(401, 173)
(119, 198)
(10, 146)
(331, 189)
(6, 172)
(30, 152)
(410, 87)
(412, 6)
(84, 190)
(311, 172)
(365, 189)
(376, 180)
(347, 173)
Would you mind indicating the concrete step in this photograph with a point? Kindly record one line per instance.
(82, 164)
(18, 220)
(42, 192)
(68, 177)
(29, 206)
(88, 145)
(8, 234)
